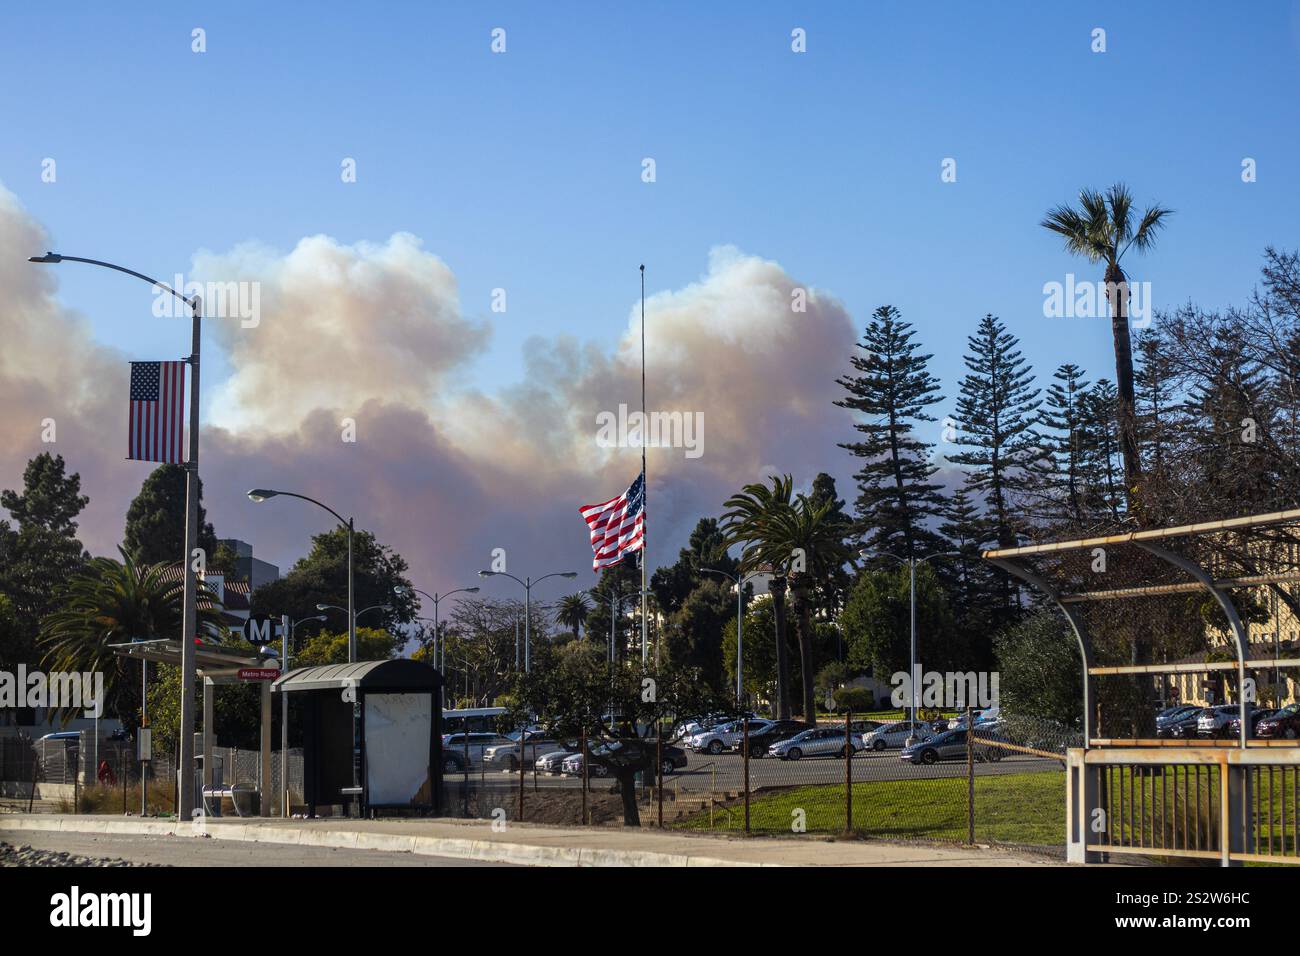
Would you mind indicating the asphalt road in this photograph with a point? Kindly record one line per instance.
(724, 772)
(188, 851)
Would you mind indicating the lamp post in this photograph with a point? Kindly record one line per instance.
(284, 710)
(911, 570)
(261, 494)
(740, 581)
(189, 617)
(373, 607)
(439, 648)
(528, 598)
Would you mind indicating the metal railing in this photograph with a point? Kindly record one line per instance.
(1227, 805)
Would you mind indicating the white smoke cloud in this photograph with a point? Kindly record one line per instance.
(440, 470)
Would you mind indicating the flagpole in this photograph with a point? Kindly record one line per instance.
(645, 484)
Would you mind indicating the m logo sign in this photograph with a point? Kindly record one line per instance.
(258, 630)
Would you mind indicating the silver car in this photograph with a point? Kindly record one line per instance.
(896, 734)
(477, 744)
(725, 736)
(817, 742)
(506, 756)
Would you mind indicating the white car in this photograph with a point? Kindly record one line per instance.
(726, 736)
(817, 742)
(552, 762)
(506, 756)
(896, 734)
(573, 766)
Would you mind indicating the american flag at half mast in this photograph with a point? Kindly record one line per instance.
(617, 526)
(157, 412)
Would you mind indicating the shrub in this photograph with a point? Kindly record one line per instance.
(858, 699)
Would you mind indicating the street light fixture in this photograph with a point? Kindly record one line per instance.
(740, 581)
(258, 495)
(528, 599)
(911, 570)
(189, 615)
(439, 647)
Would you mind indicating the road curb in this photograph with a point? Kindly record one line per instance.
(485, 851)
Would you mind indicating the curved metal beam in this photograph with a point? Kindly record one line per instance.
(1080, 631)
(1206, 580)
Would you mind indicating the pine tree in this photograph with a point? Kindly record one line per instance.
(996, 409)
(892, 390)
(1103, 467)
(155, 520)
(1057, 487)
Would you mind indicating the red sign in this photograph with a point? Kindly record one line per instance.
(258, 673)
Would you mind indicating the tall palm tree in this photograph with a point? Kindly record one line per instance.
(1102, 230)
(111, 602)
(573, 611)
(751, 521)
(813, 532)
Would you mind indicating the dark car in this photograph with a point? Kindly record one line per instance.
(1180, 728)
(1283, 723)
(674, 758)
(1233, 728)
(780, 730)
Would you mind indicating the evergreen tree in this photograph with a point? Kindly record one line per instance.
(155, 521)
(891, 391)
(39, 553)
(1057, 486)
(1102, 464)
(997, 408)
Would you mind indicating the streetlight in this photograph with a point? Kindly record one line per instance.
(740, 582)
(439, 648)
(528, 598)
(911, 570)
(335, 607)
(189, 617)
(261, 494)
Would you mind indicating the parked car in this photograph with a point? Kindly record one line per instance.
(453, 761)
(552, 762)
(477, 744)
(1283, 723)
(896, 734)
(725, 736)
(673, 758)
(506, 756)
(816, 742)
(1213, 721)
(572, 766)
(1233, 730)
(1180, 727)
(1171, 715)
(775, 732)
(948, 745)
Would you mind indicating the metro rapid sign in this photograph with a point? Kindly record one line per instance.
(258, 673)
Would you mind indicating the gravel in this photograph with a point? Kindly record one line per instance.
(24, 855)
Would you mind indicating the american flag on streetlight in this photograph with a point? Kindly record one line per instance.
(157, 412)
(617, 526)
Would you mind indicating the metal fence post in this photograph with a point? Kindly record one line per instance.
(659, 771)
(523, 752)
(970, 775)
(746, 778)
(848, 771)
(584, 777)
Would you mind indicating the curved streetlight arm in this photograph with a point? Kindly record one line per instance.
(54, 257)
(554, 574)
(507, 574)
(320, 504)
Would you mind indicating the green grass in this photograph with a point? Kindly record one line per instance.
(1026, 808)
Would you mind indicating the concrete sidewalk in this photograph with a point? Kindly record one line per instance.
(532, 845)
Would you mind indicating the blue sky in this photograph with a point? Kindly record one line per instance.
(522, 170)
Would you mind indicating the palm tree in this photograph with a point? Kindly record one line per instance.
(1102, 230)
(813, 533)
(111, 602)
(751, 522)
(573, 611)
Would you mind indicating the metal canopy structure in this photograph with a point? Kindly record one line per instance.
(214, 664)
(1171, 601)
